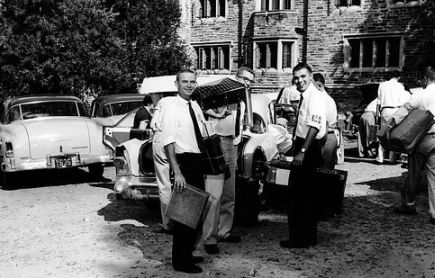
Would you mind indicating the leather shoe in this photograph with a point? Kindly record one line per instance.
(191, 268)
(197, 259)
(404, 209)
(288, 244)
(162, 230)
(432, 221)
(232, 239)
(211, 248)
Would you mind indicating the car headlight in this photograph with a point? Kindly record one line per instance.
(121, 166)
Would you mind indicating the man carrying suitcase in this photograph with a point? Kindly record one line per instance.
(424, 154)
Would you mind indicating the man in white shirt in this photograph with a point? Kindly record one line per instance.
(310, 129)
(424, 154)
(391, 95)
(330, 146)
(182, 126)
(227, 122)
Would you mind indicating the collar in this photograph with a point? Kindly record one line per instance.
(182, 100)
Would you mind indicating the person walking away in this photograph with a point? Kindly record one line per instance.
(183, 129)
(143, 115)
(329, 150)
(391, 95)
(302, 194)
(424, 154)
(227, 122)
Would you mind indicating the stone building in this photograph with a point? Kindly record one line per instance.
(351, 42)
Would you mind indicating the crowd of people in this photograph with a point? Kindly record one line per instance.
(178, 147)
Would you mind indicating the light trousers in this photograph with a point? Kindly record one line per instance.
(386, 116)
(162, 169)
(423, 156)
(219, 219)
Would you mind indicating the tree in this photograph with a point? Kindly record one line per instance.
(69, 46)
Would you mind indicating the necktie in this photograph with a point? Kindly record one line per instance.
(297, 116)
(237, 127)
(198, 135)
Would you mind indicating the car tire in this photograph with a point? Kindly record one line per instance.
(96, 170)
(248, 203)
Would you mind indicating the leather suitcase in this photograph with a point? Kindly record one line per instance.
(331, 191)
(406, 135)
(187, 206)
(278, 171)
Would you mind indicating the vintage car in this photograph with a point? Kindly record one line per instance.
(109, 109)
(49, 132)
(135, 176)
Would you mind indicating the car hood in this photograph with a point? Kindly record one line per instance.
(53, 136)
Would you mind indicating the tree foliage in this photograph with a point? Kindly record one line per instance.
(69, 46)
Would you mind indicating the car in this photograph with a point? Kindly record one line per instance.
(135, 176)
(109, 109)
(49, 132)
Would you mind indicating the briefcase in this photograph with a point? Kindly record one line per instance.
(187, 206)
(215, 162)
(406, 136)
(331, 191)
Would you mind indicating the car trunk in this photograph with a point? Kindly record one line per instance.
(56, 136)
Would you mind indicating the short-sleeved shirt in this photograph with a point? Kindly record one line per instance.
(372, 106)
(392, 94)
(425, 100)
(178, 126)
(331, 111)
(142, 114)
(312, 113)
(227, 126)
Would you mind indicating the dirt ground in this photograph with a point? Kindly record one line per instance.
(64, 225)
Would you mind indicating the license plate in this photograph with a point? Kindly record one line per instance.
(62, 162)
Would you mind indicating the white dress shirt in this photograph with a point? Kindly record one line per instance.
(331, 111)
(312, 113)
(178, 126)
(391, 93)
(425, 100)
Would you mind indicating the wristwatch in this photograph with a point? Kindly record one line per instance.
(303, 150)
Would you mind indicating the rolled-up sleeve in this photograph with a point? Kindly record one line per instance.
(316, 116)
(169, 124)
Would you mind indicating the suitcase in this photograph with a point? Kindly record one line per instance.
(187, 206)
(220, 93)
(331, 191)
(278, 171)
(406, 136)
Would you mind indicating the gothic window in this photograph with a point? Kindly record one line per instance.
(277, 54)
(275, 5)
(211, 57)
(212, 8)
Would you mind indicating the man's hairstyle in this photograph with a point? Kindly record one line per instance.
(242, 69)
(395, 74)
(319, 77)
(300, 66)
(184, 71)
(147, 100)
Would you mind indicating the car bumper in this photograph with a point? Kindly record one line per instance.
(136, 187)
(11, 165)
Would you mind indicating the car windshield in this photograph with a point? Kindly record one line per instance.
(114, 109)
(46, 109)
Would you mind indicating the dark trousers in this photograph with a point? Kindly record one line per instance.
(303, 196)
(185, 237)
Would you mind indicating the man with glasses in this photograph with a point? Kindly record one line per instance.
(228, 124)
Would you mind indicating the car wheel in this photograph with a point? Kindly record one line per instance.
(248, 202)
(96, 170)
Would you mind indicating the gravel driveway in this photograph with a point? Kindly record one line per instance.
(65, 225)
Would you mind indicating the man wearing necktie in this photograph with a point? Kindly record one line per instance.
(182, 124)
(309, 131)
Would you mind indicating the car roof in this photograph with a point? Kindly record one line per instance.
(119, 98)
(35, 98)
(163, 84)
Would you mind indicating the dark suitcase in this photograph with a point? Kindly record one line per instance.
(220, 93)
(405, 136)
(332, 184)
(215, 161)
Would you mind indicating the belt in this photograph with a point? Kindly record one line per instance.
(331, 131)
